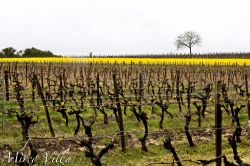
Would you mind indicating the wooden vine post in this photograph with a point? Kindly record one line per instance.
(218, 123)
(6, 83)
(140, 92)
(116, 93)
(3, 96)
(40, 93)
(177, 89)
(99, 100)
(247, 95)
(189, 93)
(26, 73)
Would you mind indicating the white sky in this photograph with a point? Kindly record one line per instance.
(77, 27)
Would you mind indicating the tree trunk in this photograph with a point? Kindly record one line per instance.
(190, 50)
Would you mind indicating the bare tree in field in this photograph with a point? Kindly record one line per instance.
(188, 39)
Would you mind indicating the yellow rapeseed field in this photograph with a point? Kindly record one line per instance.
(135, 60)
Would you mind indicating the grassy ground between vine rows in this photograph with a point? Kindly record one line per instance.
(203, 138)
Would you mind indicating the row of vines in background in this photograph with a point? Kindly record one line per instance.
(79, 89)
(218, 55)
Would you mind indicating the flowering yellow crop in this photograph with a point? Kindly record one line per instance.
(135, 60)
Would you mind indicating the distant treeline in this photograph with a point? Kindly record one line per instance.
(232, 55)
(10, 52)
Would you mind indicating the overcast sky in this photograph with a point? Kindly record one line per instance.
(77, 27)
